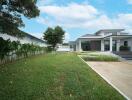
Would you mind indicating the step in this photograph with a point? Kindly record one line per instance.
(123, 53)
(128, 58)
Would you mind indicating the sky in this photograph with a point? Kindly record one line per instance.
(79, 17)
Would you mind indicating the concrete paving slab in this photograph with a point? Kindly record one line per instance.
(118, 74)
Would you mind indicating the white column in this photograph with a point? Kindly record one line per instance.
(76, 46)
(118, 45)
(80, 47)
(102, 45)
(111, 44)
(118, 33)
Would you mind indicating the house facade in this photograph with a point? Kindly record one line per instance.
(63, 47)
(103, 40)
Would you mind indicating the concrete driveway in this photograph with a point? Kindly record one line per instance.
(118, 74)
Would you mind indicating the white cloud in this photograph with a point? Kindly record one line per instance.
(125, 19)
(83, 16)
(42, 20)
(129, 1)
(73, 11)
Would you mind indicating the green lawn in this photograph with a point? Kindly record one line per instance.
(53, 77)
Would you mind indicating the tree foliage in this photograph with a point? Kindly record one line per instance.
(54, 36)
(4, 47)
(11, 12)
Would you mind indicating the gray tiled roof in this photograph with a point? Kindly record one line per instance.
(87, 35)
(109, 30)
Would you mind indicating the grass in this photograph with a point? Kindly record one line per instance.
(53, 77)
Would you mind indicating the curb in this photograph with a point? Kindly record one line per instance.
(107, 80)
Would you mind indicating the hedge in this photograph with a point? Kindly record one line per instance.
(12, 50)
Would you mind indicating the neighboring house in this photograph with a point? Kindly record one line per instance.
(63, 47)
(28, 38)
(103, 40)
(72, 45)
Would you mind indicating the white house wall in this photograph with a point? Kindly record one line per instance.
(23, 40)
(6, 37)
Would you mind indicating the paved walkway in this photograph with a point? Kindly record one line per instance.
(118, 74)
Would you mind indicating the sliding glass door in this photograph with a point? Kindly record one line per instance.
(107, 45)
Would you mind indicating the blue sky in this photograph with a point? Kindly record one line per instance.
(79, 17)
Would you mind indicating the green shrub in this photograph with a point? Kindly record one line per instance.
(100, 58)
(49, 49)
(124, 48)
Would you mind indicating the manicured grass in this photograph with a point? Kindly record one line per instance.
(53, 77)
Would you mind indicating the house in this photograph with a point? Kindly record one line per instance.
(103, 40)
(63, 47)
(28, 38)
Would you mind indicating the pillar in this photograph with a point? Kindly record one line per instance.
(111, 44)
(118, 45)
(76, 46)
(102, 45)
(80, 47)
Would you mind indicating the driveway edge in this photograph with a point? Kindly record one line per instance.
(106, 80)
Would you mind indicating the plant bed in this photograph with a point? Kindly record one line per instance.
(100, 58)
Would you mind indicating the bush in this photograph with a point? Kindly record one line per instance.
(124, 48)
(100, 58)
(49, 49)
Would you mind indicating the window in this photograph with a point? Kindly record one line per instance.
(107, 45)
(125, 43)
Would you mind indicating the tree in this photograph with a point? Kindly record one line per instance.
(11, 12)
(4, 48)
(54, 36)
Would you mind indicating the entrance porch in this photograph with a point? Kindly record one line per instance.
(110, 43)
